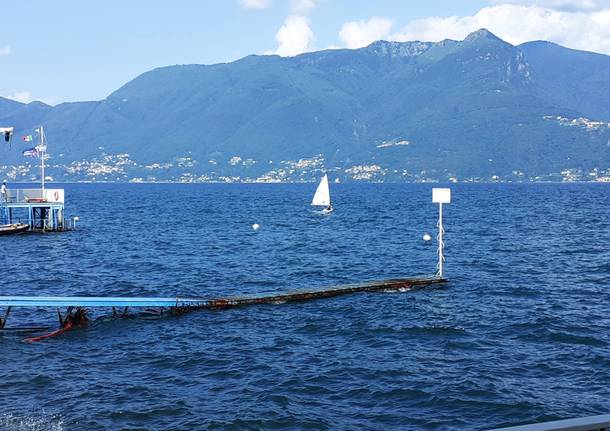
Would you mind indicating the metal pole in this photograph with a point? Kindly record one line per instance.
(42, 168)
(441, 243)
(42, 145)
(3, 321)
(42, 173)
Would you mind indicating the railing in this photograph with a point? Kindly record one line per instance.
(591, 423)
(24, 195)
(34, 195)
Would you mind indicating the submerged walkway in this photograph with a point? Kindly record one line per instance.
(76, 314)
(301, 295)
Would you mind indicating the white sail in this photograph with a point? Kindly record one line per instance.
(322, 196)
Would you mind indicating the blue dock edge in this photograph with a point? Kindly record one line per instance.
(96, 301)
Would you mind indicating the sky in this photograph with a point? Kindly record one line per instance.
(73, 50)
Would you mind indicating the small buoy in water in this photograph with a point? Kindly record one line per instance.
(427, 237)
(256, 226)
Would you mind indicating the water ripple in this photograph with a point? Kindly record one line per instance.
(519, 335)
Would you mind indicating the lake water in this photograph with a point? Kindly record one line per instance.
(520, 334)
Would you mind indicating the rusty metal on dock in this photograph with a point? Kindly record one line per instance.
(306, 295)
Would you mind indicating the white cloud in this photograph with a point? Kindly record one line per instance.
(295, 36)
(356, 34)
(6, 50)
(254, 4)
(26, 97)
(20, 96)
(301, 7)
(517, 24)
(567, 5)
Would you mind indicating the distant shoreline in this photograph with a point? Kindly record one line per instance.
(308, 182)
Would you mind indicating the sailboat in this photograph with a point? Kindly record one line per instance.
(322, 196)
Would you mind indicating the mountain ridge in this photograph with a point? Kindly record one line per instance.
(480, 108)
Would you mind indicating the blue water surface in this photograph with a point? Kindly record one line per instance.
(520, 334)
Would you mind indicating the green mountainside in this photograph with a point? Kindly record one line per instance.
(477, 109)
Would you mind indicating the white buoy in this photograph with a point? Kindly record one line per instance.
(256, 226)
(427, 237)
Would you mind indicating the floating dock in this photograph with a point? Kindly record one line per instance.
(100, 301)
(76, 305)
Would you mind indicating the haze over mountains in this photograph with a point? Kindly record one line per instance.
(477, 109)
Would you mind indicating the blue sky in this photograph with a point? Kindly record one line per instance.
(69, 50)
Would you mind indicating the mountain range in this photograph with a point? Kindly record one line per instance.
(477, 109)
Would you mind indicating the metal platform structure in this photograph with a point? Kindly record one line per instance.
(41, 209)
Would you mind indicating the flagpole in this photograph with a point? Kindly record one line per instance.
(42, 146)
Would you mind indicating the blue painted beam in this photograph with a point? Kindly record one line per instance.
(93, 301)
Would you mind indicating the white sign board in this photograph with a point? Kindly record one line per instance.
(54, 195)
(441, 196)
